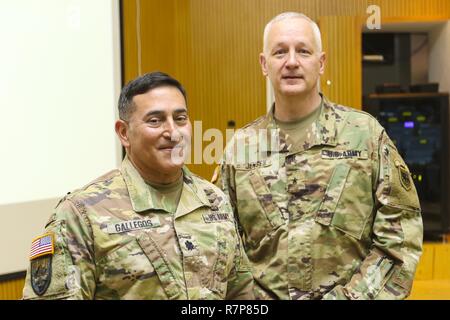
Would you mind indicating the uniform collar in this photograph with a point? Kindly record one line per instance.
(192, 197)
(324, 128)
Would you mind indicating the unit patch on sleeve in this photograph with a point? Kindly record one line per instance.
(41, 274)
(42, 249)
(405, 178)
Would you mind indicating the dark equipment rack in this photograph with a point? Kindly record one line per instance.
(418, 123)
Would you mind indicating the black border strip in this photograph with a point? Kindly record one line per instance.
(12, 276)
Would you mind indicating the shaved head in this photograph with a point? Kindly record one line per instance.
(293, 15)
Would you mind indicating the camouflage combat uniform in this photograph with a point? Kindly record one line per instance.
(113, 241)
(334, 217)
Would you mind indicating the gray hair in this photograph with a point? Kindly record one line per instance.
(293, 15)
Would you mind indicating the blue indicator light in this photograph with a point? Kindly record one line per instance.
(409, 124)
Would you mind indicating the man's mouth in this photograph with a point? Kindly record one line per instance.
(170, 147)
(288, 77)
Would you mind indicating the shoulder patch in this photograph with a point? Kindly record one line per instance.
(404, 175)
(41, 274)
(42, 246)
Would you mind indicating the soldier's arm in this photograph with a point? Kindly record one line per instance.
(240, 281)
(71, 274)
(388, 270)
(225, 181)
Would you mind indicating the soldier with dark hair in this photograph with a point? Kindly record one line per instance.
(149, 230)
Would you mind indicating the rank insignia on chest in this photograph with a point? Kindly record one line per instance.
(188, 245)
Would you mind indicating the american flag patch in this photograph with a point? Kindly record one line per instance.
(41, 246)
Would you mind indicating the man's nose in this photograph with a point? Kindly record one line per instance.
(169, 126)
(171, 130)
(292, 59)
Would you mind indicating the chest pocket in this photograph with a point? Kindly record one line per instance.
(348, 202)
(161, 266)
(126, 273)
(259, 215)
(208, 255)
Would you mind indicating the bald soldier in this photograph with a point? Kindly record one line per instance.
(326, 205)
(149, 230)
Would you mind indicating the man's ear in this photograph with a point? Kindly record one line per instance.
(322, 60)
(263, 63)
(122, 132)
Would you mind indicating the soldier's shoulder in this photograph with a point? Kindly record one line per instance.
(250, 129)
(357, 116)
(77, 200)
(255, 124)
(352, 111)
(104, 184)
(213, 193)
(206, 185)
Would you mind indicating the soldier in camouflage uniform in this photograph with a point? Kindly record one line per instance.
(149, 230)
(326, 206)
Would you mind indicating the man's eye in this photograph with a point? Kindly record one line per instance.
(154, 121)
(304, 51)
(279, 52)
(181, 119)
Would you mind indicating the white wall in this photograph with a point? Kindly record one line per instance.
(59, 83)
(439, 69)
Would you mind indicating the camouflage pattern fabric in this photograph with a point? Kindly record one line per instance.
(334, 217)
(114, 241)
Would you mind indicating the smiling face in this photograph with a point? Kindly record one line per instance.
(157, 134)
(292, 60)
